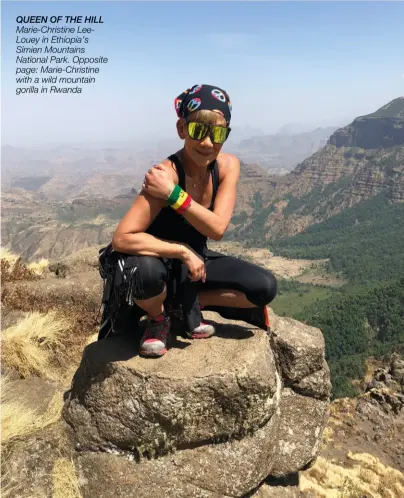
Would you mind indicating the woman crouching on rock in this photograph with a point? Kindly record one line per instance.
(186, 199)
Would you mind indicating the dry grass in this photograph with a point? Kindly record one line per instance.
(39, 266)
(31, 346)
(341, 410)
(8, 256)
(79, 310)
(12, 268)
(9, 490)
(13, 258)
(18, 420)
(65, 482)
(328, 435)
(364, 475)
(17, 271)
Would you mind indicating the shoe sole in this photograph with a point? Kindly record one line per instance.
(153, 354)
(202, 336)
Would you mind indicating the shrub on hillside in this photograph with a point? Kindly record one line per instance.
(11, 272)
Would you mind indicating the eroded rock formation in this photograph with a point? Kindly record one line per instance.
(211, 418)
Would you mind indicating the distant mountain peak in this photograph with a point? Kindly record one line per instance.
(393, 109)
(381, 129)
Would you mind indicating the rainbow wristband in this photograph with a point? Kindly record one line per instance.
(179, 200)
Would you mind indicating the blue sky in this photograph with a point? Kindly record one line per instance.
(308, 62)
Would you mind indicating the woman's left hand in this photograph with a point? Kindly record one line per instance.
(158, 182)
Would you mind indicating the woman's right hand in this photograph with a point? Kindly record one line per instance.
(195, 265)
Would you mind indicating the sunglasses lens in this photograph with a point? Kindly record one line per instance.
(219, 134)
(197, 131)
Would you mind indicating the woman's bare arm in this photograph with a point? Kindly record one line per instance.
(130, 236)
(213, 224)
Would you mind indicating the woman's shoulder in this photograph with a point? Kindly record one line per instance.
(171, 168)
(228, 164)
(228, 159)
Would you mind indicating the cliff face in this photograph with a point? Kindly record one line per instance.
(360, 161)
(384, 128)
(370, 133)
(357, 172)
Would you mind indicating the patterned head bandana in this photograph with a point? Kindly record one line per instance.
(203, 97)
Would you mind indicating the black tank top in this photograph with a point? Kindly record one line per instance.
(170, 225)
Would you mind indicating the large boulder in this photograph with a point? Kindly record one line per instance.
(229, 469)
(211, 418)
(198, 392)
(304, 405)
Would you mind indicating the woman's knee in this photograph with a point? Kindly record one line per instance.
(264, 289)
(149, 275)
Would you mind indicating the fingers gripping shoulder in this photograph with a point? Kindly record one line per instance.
(168, 166)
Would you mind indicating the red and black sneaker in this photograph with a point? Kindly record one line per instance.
(154, 340)
(204, 331)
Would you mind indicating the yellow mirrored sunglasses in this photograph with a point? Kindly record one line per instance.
(199, 131)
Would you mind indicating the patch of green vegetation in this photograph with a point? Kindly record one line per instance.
(357, 324)
(365, 317)
(293, 296)
(296, 203)
(65, 215)
(365, 243)
(257, 202)
(240, 219)
(315, 198)
(255, 229)
(355, 153)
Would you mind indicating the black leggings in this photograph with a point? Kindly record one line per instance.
(222, 272)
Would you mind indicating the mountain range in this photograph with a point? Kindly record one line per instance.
(64, 172)
(40, 209)
(360, 161)
(279, 153)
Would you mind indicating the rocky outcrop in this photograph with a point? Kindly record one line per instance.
(209, 419)
(370, 133)
(325, 184)
(373, 423)
(390, 376)
(382, 129)
(359, 161)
